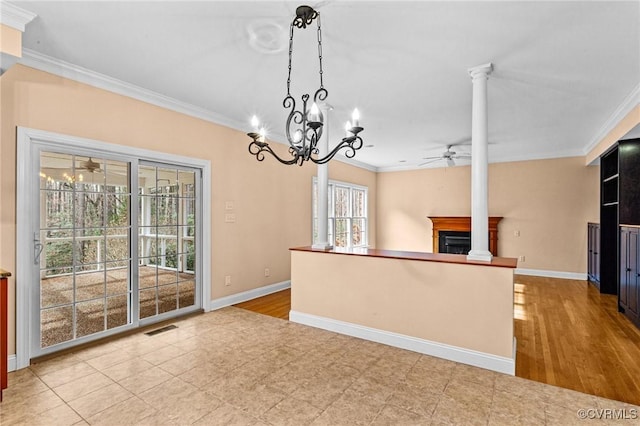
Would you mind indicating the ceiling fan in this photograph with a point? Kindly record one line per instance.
(90, 166)
(448, 156)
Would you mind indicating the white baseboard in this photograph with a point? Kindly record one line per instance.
(552, 274)
(12, 363)
(223, 302)
(453, 353)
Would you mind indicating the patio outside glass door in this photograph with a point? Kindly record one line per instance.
(166, 239)
(95, 278)
(83, 247)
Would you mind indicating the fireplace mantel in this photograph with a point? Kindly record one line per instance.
(463, 223)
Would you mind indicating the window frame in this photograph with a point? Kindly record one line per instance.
(331, 214)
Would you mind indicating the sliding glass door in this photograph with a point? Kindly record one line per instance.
(95, 276)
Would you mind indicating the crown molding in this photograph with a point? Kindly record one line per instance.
(356, 163)
(77, 73)
(629, 103)
(493, 159)
(14, 16)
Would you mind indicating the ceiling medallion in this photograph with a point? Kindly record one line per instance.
(266, 36)
(304, 126)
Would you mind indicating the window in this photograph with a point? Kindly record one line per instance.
(347, 214)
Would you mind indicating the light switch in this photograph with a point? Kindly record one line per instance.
(228, 205)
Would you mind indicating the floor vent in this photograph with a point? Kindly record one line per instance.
(160, 330)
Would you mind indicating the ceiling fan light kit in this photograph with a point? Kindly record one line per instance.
(448, 155)
(304, 126)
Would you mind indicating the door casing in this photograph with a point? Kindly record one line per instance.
(28, 144)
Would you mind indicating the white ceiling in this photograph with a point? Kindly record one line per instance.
(561, 69)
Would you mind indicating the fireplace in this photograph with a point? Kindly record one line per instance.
(454, 242)
(449, 227)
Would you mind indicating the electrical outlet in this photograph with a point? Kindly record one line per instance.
(267, 272)
(228, 205)
(230, 217)
(520, 258)
(227, 280)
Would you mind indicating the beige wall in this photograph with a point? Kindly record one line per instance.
(272, 201)
(466, 306)
(548, 201)
(10, 41)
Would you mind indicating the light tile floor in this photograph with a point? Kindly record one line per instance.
(241, 368)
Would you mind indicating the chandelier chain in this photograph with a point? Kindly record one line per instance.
(320, 50)
(304, 125)
(290, 54)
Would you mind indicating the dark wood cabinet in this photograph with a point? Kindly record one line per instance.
(620, 226)
(609, 245)
(629, 294)
(593, 259)
(629, 220)
(629, 181)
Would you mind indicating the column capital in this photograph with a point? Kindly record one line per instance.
(480, 71)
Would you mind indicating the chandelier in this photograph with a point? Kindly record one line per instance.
(304, 126)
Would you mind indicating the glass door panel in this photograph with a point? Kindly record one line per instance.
(166, 239)
(85, 232)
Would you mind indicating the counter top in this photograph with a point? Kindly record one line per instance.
(4, 274)
(502, 262)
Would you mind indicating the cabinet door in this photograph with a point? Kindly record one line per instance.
(632, 290)
(596, 252)
(624, 267)
(593, 259)
(590, 258)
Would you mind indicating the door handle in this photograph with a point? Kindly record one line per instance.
(37, 248)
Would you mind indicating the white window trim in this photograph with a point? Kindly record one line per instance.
(331, 215)
(24, 244)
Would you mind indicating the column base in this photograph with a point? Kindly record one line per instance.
(482, 255)
(322, 246)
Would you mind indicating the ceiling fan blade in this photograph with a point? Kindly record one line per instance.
(431, 160)
(462, 156)
(439, 157)
(462, 141)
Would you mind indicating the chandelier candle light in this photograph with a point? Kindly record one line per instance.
(304, 126)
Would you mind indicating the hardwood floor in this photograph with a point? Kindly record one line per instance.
(569, 335)
(275, 305)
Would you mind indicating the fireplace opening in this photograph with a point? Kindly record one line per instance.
(454, 242)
